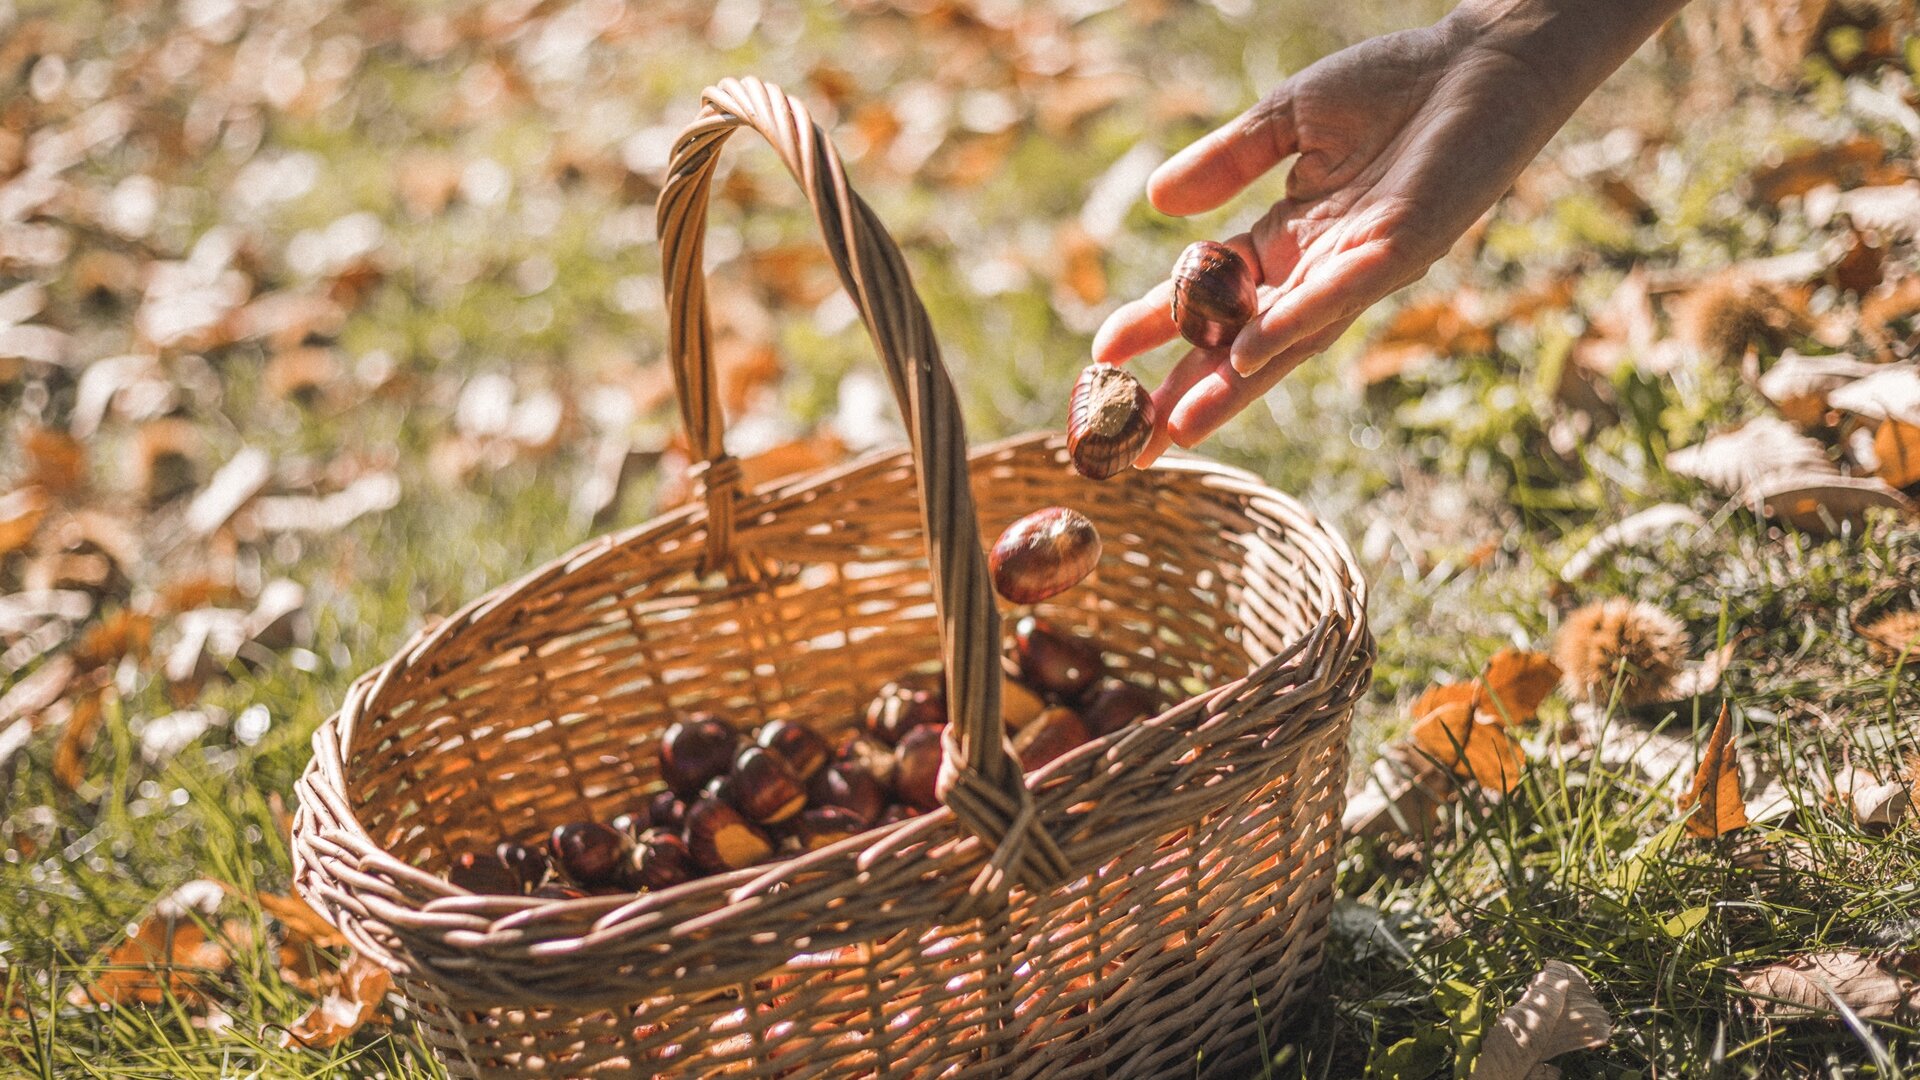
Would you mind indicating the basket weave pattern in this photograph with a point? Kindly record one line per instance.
(1135, 908)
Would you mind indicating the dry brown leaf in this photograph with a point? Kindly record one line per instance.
(1735, 462)
(1824, 505)
(163, 458)
(1798, 385)
(1516, 683)
(1808, 987)
(168, 953)
(76, 740)
(21, 512)
(1448, 731)
(1891, 393)
(303, 925)
(1845, 164)
(122, 633)
(1874, 804)
(1893, 302)
(1392, 359)
(363, 988)
(1403, 795)
(1081, 270)
(55, 460)
(1860, 266)
(1714, 795)
(301, 375)
(1557, 1015)
(1897, 446)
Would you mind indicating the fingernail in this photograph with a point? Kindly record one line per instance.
(1246, 365)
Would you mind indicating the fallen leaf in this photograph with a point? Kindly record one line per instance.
(336, 1016)
(1403, 795)
(1843, 164)
(1557, 1014)
(21, 512)
(1896, 444)
(1798, 385)
(56, 462)
(1892, 209)
(1874, 804)
(1891, 393)
(1447, 730)
(1651, 524)
(1824, 505)
(1517, 682)
(1715, 793)
(1736, 462)
(122, 633)
(303, 925)
(76, 741)
(168, 952)
(1815, 985)
(1861, 262)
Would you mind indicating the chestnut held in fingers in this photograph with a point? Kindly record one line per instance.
(1114, 704)
(483, 872)
(1052, 661)
(1044, 554)
(764, 788)
(722, 839)
(660, 860)
(527, 863)
(1213, 294)
(818, 826)
(694, 751)
(1057, 731)
(848, 786)
(907, 703)
(1109, 419)
(590, 853)
(802, 746)
(917, 778)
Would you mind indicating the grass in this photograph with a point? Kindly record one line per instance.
(1458, 483)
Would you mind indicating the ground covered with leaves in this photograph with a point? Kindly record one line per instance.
(319, 319)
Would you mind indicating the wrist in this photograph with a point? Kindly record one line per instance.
(1571, 45)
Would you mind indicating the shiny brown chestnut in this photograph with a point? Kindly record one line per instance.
(1109, 420)
(763, 786)
(1053, 661)
(528, 864)
(589, 853)
(818, 826)
(850, 787)
(802, 746)
(1019, 705)
(907, 703)
(694, 751)
(483, 872)
(634, 822)
(660, 860)
(1214, 294)
(1113, 705)
(916, 780)
(1044, 554)
(721, 838)
(870, 756)
(666, 811)
(1057, 731)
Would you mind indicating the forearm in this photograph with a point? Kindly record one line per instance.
(1573, 45)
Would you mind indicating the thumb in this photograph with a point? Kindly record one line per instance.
(1224, 161)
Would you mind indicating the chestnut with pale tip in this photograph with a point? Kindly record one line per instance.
(1044, 554)
(802, 746)
(694, 751)
(848, 786)
(1214, 294)
(589, 853)
(764, 787)
(1053, 661)
(818, 826)
(1109, 420)
(905, 704)
(528, 864)
(722, 839)
(660, 860)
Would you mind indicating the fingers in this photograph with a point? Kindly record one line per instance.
(1220, 393)
(1147, 323)
(1334, 294)
(1223, 162)
(1191, 369)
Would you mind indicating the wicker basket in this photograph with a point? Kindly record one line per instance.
(1140, 907)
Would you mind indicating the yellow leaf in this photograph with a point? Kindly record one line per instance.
(1715, 794)
(1448, 731)
(168, 953)
(1516, 682)
(1897, 445)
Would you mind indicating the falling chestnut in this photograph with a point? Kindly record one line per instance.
(721, 838)
(1109, 419)
(907, 703)
(483, 872)
(589, 853)
(763, 786)
(1044, 554)
(660, 860)
(694, 751)
(1053, 661)
(1113, 705)
(800, 745)
(1213, 294)
(1057, 731)
(528, 864)
(916, 780)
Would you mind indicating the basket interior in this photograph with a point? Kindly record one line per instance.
(544, 702)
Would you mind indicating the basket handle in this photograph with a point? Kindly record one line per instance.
(980, 780)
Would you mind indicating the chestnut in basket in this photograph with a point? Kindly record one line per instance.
(870, 756)
(1109, 420)
(634, 822)
(483, 872)
(556, 891)
(1053, 661)
(1018, 704)
(818, 826)
(894, 813)
(1213, 294)
(694, 751)
(1057, 731)
(528, 864)
(589, 853)
(721, 838)
(666, 811)
(907, 703)
(1044, 554)
(848, 786)
(802, 746)
(660, 860)
(763, 786)
(919, 772)
(1114, 704)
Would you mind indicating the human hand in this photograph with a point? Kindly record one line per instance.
(1403, 142)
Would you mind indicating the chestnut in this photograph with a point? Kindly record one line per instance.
(589, 853)
(818, 826)
(634, 822)
(1057, 731)
(666, 811)
(870, 756)
(895, 813)
(800, 745)
(1109, 420)
(527, 863)
(1044, 554)
(721, 838)
(1052, 661)
(694, 751)
(764, 787)
(916, 779)
(849, 787)
(660, 860)
(1018, 705)
(1113, 704)
(556, 891)
(483, 872)
(1214, 294)
(907, 703)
